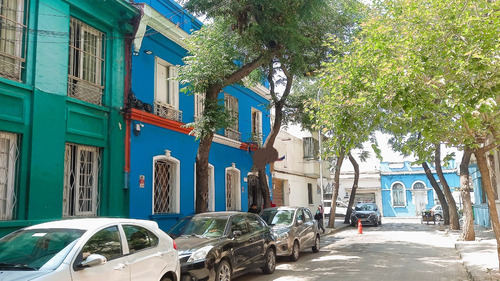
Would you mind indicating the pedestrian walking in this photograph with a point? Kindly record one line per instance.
(319, 217)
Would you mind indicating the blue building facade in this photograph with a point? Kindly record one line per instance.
(407, 192)
(481, 210)
(162, 153)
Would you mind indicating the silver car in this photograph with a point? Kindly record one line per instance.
(294, 228)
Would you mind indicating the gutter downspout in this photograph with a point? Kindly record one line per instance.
(128, 89)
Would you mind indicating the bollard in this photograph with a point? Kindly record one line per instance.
(360, 227)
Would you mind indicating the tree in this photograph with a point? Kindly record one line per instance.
(244, 36)
(435, 63)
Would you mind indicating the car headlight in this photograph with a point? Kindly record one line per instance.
(281, 236)
(200, 254)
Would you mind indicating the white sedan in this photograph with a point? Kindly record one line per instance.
(102, 249)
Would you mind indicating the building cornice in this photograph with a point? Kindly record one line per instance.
(158, 22)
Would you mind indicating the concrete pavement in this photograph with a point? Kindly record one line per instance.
(479, 257)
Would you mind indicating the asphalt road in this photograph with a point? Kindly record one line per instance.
(400, 249)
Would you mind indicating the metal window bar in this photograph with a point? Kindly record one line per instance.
(166, 111)
(81, 180)
(86, 62)
(163, 187)
(9, 154)
(199, 105)
(12, 38)
(230, 190)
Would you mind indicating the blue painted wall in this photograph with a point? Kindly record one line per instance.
(408, 175)
(153, 140)
(481, 210)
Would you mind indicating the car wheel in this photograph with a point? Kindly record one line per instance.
(166, 279)
(223, 271)
(270, 263)
(295, 252)
(376, 223)
(315, 248)
(380, 221)
(438, 217)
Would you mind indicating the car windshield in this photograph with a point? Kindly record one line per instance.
(199, 226)
(365, 207)
(36, 248)
(273, 217)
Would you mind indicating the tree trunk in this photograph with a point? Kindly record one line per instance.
(439, 192)
(336, 185)
(452, 207)
(202, 173)
(490, 193)
(354, 163)
(468, 233)
(275, 129)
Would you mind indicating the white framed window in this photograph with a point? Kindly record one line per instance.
(12, 38)
(166, 184)
(257, 126)
(398, 194)
(86, 62)
(82, 165)
(311, 147)
(233, 186)
(231, 104)
(199, 105)
(166, 102)
(9, 154)
(418, 185)
(211, 188)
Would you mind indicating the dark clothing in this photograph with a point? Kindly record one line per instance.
(319, 217)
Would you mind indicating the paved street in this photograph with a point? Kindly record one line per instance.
(400, 249)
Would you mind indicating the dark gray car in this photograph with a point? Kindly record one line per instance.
(366, 213)
(294, 228)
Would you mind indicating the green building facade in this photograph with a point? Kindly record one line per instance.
(63, 75)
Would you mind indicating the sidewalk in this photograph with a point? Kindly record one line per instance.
(479, 257)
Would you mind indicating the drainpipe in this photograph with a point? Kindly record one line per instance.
(128, 90)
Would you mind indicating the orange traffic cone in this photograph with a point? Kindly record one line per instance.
(360, 227)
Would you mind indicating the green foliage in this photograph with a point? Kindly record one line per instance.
(214, 118)
(426, 71)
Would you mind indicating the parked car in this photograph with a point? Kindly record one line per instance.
(340, 209)
(223, 245)
(437, 210)
(367, 213)
(89, 249)
(294, 228)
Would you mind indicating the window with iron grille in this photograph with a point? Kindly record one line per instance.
(311, 148)
(9, 154)
(398, 195)
(231, 104)
(86, 62)
(233, 189)
(12, 38)
(166, 184)
(166, 102)
(82, 167)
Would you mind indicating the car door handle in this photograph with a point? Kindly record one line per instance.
(120, 266)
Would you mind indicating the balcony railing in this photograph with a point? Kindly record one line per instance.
(83, 90)
(167, 111)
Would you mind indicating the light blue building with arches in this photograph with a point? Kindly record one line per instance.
(406, 191)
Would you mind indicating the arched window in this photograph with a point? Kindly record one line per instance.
(233, 184)
(398, 195)
(166, 184)
(418, 185)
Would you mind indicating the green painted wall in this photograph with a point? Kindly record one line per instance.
(40, 112)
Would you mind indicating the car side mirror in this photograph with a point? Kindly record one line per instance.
(299, 222)
(237, 233)
(93, 260)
